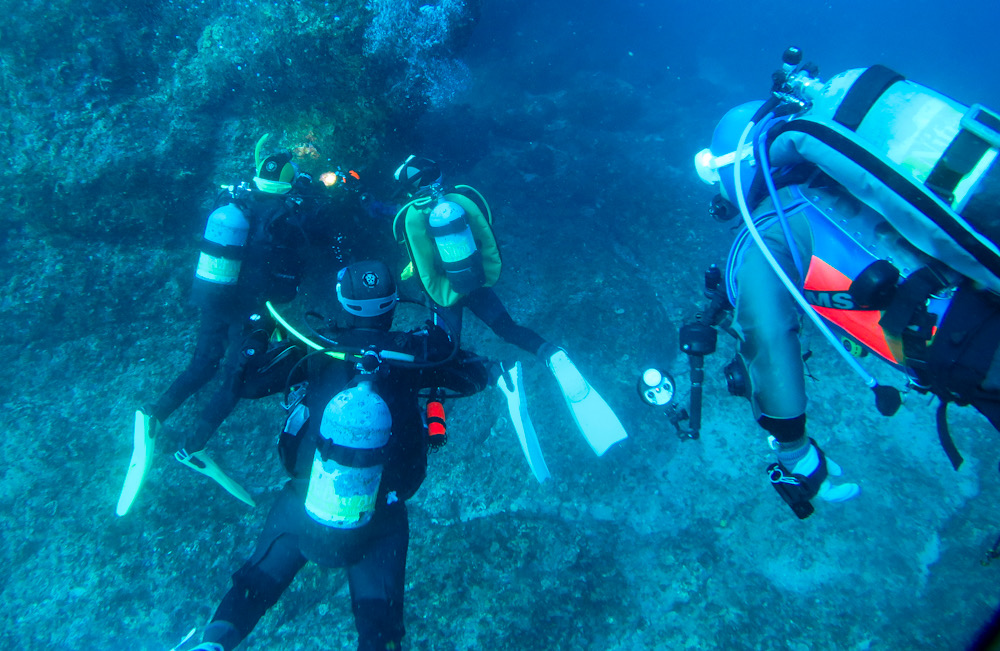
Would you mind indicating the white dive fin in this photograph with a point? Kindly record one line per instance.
(510, 384)
(200, 462)
(142, 458)
(593, 416)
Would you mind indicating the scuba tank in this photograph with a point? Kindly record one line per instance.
(222, 249)
(922, 160)
(347, 465)
(429, 251)
(460, 258)
(222, 246)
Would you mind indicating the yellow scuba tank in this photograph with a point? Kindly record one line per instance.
(460, 258)
(222, 249)
(347, 465)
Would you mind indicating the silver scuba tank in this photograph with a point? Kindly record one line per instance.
(919, 158)
(460, 258)
(226, 234)
(348, 462)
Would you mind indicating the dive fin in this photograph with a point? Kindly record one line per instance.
(142, 458)
(510, 384)
(203, 463)
(593, 416)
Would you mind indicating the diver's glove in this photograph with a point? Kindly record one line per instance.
(808, 478)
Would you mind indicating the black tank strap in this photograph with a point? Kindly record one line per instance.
(352, 457)
(863, 94)
(229, 251)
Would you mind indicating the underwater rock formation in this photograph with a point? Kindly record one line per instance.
(155, 101)
(121, 117)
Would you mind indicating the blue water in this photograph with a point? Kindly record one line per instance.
(579, 122)
(949, 48)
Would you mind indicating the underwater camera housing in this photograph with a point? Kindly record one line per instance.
(697, 338)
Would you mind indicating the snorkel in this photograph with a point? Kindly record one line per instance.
(257, 160)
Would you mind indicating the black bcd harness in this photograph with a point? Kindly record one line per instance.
(963, 362)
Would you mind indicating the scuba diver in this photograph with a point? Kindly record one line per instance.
(355, 447)
(869, 205)
(252, 252)
(447, 232)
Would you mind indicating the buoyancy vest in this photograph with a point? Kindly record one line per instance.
(922, 160)
(275, 246)
(412, 229)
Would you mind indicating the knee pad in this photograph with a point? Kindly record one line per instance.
(785, 430)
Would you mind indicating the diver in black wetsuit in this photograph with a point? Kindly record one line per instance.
(356, 449)
(253, 251)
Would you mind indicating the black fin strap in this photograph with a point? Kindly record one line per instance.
(944, 435)
(797, 489)
(793, 489)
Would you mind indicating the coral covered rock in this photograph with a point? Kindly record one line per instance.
(121, 120)
(132, 114)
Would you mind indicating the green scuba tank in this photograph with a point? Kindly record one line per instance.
(348, 462)
(460, 257)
